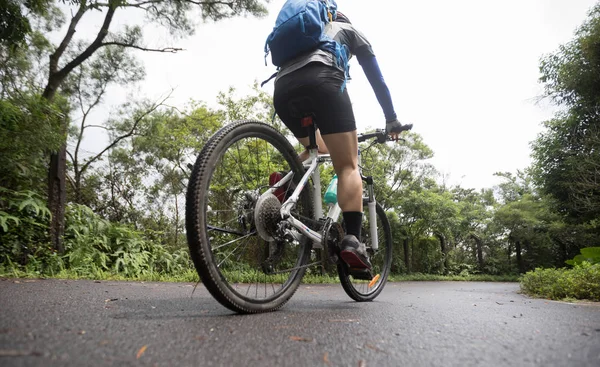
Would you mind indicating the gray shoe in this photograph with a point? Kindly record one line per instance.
(354, 253)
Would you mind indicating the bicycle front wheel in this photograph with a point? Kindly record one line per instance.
(381, 259)
(241, 270)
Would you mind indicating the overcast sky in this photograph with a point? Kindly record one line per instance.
(464, 72)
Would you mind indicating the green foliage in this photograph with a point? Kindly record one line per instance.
(256, 106)
(94, 245)
(15, 24)
(398, 169)
(453, 278)
(565, 154)
(426, 256)
(580, 282)
(24, 220)
(29, 129)
(588, 254)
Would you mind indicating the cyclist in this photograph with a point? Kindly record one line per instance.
(313, 84)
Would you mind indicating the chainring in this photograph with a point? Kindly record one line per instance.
(333, 233)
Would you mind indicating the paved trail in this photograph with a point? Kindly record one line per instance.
(87, 323)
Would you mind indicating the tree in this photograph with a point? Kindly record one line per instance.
(87, 86)
(177, 16)
(426, 212)
(566, 155)
(524, 222)
(475, 211)
(28, 124)
(258, 105)
(398, 170)
(14, 20)
(166, 150)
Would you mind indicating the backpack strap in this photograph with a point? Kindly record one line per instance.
(268, 80)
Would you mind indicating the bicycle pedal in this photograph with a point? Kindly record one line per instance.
(361, 273)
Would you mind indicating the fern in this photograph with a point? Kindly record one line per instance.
(5, 217)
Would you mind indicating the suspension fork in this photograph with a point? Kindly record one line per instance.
(372, 205)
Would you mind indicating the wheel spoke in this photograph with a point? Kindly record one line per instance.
(244, 269)
(235, 240)
(225, 230)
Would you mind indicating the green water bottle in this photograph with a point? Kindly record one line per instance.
(331, 193)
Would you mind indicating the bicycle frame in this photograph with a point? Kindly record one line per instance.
(311, 165)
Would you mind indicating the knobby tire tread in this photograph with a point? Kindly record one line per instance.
(199, 248)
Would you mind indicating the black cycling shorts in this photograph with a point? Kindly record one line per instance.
(315, 89)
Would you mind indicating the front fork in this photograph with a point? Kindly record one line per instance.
(372, 204)
(335, 212)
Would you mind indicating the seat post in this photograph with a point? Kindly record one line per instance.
(313, 149)
(309, 122)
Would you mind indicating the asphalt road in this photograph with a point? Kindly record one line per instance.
(87, 323)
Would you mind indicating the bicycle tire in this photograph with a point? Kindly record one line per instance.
(359, 290)
(202, 189)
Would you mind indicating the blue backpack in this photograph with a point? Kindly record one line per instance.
(300, 28)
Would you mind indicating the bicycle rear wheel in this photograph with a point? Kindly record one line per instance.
(241, 270)
(365, 290)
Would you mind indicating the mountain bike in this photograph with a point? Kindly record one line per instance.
(253, 237)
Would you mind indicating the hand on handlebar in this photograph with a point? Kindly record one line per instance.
(394, 128)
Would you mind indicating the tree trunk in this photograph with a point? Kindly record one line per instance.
(176, 222)
(519, 258)
(444, 249)
(57, 190)
(406, 254)
(77, 187)
(57, 197)
(479, 246)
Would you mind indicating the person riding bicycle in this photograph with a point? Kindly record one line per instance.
(313, 84)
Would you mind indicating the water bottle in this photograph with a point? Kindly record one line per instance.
(331, 193)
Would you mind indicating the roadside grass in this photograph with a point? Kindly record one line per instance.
(190, 275)
(582, 282)
(455, 278)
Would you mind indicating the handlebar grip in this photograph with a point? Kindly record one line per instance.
(382, 135)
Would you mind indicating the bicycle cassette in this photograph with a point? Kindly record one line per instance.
(267, 216)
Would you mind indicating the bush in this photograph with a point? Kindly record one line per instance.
(24, 220)
(580, 282)
(94, 247)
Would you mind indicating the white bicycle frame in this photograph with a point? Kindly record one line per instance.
(311, 166)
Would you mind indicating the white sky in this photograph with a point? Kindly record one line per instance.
(464, 72)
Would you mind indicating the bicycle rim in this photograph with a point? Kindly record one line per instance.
(365, 290)
(241, 270)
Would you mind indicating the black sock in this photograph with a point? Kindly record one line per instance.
(353, 221)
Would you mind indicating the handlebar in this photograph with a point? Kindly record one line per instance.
(381, 135)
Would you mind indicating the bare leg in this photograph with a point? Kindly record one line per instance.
(320, 143)
(343, 148)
